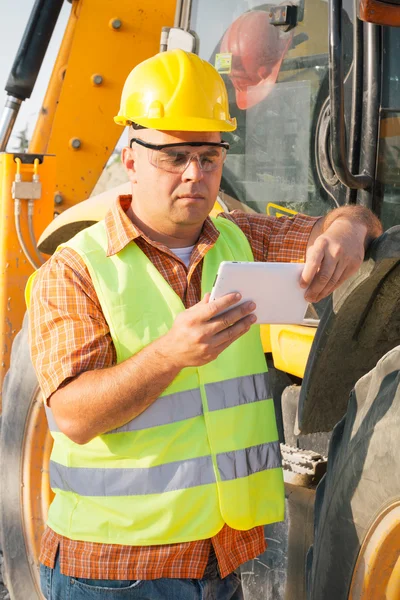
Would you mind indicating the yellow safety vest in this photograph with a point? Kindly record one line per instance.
(205, 453)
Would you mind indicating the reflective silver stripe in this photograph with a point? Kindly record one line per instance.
(50, 419)
(178, 475)
(240, 390)
(166, 409)
(187, 405)
(241, 463)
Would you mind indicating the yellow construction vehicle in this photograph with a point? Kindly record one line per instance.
(315, 87)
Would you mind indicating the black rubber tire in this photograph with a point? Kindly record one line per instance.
(362, 479)
(19, 390)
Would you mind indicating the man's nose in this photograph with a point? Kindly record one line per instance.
(193, 171)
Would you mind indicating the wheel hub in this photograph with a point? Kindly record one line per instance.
(36, 494)
(377, 571)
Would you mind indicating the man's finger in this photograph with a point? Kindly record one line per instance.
(321, 278)
(230, 317)
(213, 308)
(229, 335)
(338, 276)
(313, 263)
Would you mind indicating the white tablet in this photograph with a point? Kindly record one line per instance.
(274, 287)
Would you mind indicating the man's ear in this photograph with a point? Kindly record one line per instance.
(128, 160)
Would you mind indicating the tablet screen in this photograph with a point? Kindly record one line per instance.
(274, 287)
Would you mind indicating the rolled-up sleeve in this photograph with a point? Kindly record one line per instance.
(273, 239)
(67, 330)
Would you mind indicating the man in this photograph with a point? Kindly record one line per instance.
(166, 457)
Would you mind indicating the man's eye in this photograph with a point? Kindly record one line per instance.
(176, 158)
(209, 158)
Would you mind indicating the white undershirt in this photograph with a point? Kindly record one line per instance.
(184, 254)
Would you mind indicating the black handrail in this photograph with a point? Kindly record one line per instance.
(356, 101)
(336, 90)
(371, 113)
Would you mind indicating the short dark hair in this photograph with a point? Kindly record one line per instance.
(132, 128)
(136, 126)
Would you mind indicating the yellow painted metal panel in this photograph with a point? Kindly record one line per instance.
(265, 331)
(41, 135)
(217, 208)
(84, 134)
(14, 267)
(291, 345)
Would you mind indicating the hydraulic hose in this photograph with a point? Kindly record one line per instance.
(17, 219)
(31, 232)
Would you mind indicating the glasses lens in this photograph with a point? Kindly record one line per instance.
(212, 159)
(173, 160)
(176, 159)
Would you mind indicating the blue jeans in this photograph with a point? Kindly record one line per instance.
(56, 586)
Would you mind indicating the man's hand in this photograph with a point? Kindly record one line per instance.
(335, 255)
(198, 335)
(336, 249)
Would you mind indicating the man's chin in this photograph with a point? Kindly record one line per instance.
(191, 215)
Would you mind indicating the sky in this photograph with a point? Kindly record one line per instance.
(14, 15)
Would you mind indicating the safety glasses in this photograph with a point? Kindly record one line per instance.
(175, 158)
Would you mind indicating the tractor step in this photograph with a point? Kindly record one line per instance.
(302, 467)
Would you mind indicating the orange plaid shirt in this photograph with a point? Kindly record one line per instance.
(69, 335)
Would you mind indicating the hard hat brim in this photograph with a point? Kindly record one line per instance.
(179, 124)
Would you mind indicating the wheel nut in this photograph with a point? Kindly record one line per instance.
(58, 199)
(75, 143)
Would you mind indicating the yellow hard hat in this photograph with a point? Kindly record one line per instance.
(175, 91)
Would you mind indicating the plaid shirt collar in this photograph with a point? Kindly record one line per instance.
(121, 231)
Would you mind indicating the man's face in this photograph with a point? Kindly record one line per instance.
(164, 200)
